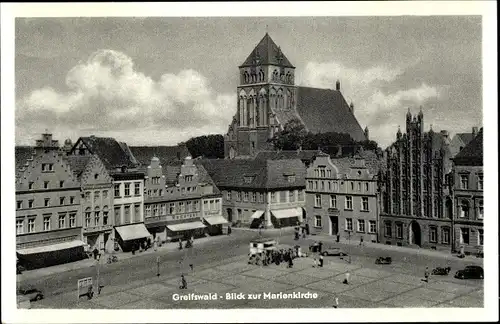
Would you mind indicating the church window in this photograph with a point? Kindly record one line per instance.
(275, 75)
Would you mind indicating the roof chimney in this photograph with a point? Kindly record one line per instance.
(352, 107)
(474, 131)
(337, 85)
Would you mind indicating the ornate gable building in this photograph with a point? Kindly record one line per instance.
(268, 98)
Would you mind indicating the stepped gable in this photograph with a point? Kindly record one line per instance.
(268, 53)
(325, 110)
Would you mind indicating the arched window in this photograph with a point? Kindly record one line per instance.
(480, 210)
(272, 99)
(254, 77)
(261, 76)
(464, 209)
(289, 101)
(280, 102)
(262, 108)
(251, 109)
(242, 108)
(275, 75)
(245, 77)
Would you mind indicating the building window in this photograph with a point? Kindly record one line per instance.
(301, 195)
(359, 186)
(19, 226)
(348, 224)
(188, 178)
(291, 196)
(46, 202)
(31, 225)
(367, 186)
(388, 229)
(72, 220)
(117, 190)
(317, 200)
(45, 185)
(316, 173)
(480, 210)
(445, 235)
(399, 230)
(127, 214)
(333, 201)
(118, 216)
(148, 210)
(72, 199)
(182, 208)
(137, 212)
(105, 217)
(46, 223)
(189, 205)
(329, 173)
(364, 203)
(19, 204)
(61, 184)
(171, 209)
(348, 202)
(464, 181)
(245, 195)
(137, 188)
(155, 210)
(47, 167)
(30, 203)
(335, 186)
(464, 209)
(62, 200)
(317, 221)
(361, 225)
(163, 209)
(238, 196)
(432, 234)
(30, 185)
(322, 172)
(480, 234)
(228, 195)
(87, 217)
(480, 182)
(322, 186)
(97, 216)
(127, 189)
(254, 196)
(352, 186)
(62, 221)
(104, 194)
(464, 235)
(315, 187)
(273, 197)
(87, 195)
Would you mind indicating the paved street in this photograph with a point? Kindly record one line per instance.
(221, 267)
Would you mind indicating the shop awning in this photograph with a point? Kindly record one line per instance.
(133, 232)
(287, 213)
(216, 220)
(185, 226)
(257, 214)
(51, 248)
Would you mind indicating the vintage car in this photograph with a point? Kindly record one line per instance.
(31, 293)
(470, 272)
(260, 245)
(333, 251)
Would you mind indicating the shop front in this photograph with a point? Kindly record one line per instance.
(286, 217)
(185, 230)
(157, 227)
(47, 249)
(97, 237)
(130, 236)
(214, 224)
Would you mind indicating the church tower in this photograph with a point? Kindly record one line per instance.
(266, 86)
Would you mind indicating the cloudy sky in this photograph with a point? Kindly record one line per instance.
(159, 81)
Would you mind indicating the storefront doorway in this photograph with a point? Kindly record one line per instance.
(334, 225)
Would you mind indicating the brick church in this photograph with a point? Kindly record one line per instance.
(268, 98)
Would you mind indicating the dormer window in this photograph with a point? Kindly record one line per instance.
(47, 167)
(248, 179)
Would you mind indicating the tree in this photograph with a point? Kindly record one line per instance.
(207, 146)
(291, 137)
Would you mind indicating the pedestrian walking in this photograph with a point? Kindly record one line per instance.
(155, 243)
(336, 303)
(321, 261)
(183, 283)
(290, 263)
(180, 244)
(320, 247)
(158, 266)
(229, 230)
(361, 241)
(315, 263)
(426, 274)
(346, 280)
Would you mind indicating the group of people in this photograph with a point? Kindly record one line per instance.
(274, 256)
(189, 243)
(301, 231)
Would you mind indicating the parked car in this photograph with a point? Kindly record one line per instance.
(470, 272)
(332, 251)
(32, 293)
(383, 260)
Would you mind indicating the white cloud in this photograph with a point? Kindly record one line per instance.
(375, 106)
(106, 94)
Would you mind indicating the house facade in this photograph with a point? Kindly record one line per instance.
(341, 198)
(468, 186)
(255, 192)
(416, 196)
(48, 210)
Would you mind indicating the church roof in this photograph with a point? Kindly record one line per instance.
(465, 137)
(268, 53)
(325, 110)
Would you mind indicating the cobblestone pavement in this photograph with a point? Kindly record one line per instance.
(374, 286)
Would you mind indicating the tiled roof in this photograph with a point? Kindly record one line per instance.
(465, 137)
(284, 116)
(166, 154)
(171, 171)
(372, 162)
(205, 177)
(110, 151)
(263, 174)
(472, 153)
(304, 155)
(325, 110)
(268, 53)
(77, 163)
(22, 154)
